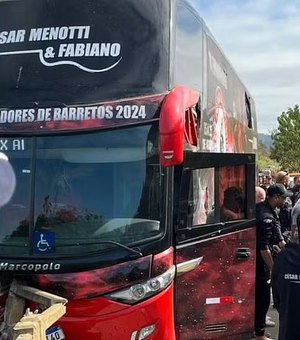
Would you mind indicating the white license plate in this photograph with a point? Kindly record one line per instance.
(55, 333)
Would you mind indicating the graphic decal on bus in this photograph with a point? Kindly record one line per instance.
(44, 242)
(80, 117)
(225, 130)
(74, 44)
(73, 113)
(29, 267)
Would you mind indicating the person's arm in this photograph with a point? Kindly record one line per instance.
(279, 237)
(233, 215)
(230, 214)
(281, 245)
(265, 233)
(267, 257)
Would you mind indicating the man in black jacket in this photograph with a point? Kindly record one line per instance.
(286, 291)
(269, 238)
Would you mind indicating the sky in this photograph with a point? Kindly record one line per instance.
(261, 39)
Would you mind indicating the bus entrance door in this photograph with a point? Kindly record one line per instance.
(215, 299)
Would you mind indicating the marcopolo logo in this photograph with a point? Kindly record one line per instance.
(32, 267)
(73, 43)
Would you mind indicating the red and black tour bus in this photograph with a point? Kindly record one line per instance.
(132, 143)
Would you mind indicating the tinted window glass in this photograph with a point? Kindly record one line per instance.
(14, 216)
(232, 193)
(212, 195)
(99, 187)
(188, 57)
(88, 189)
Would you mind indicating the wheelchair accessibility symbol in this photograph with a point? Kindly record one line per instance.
(44, 242)
(42, 245)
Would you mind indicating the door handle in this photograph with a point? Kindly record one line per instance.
(243, 254)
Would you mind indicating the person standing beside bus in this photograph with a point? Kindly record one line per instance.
(269, 238)
(295, 190)
(286, 291)
(282, 177)
(260, 194)
(295, 222)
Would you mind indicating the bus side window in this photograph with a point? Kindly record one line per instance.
(197, 198)
(209, 196)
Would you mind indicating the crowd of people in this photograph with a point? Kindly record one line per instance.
(278, 256)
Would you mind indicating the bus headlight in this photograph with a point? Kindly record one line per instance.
(144, 290)
(138, 291)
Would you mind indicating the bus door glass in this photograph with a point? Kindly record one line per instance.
(215, 299)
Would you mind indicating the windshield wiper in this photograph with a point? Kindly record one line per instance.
(136, 251)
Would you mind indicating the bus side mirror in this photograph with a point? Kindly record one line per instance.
(171, 124)
(171, 138)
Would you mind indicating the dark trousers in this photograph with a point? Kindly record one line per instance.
(262, 304)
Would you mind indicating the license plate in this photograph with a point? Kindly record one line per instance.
(55, 333)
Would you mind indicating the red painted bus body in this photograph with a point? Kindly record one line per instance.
(130, 144)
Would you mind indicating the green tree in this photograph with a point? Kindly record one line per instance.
(264, 160)
(286, 140)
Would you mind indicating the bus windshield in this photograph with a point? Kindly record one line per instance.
(73, 52)
(76, 192)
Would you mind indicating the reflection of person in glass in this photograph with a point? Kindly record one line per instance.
(7, 180)
(233, 204)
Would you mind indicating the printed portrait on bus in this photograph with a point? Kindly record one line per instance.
(222, 138)
(203, 182)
